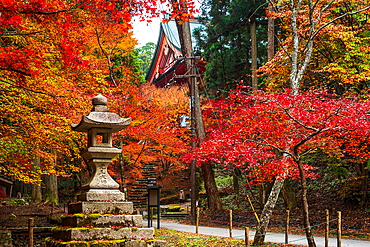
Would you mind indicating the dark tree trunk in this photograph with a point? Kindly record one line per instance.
(363, 172)
(288, 195)
(248, 64)
(270, 36)
(254, 53)
(51, 187)
(236, 182)
(262, 194)
(306, 220)
(214, 202)
(364, 185)
(36, 195)
(208, 175)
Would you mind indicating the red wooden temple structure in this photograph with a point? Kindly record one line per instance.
(165, 65)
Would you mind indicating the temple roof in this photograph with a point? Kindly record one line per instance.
(171, 33)
(164, 64)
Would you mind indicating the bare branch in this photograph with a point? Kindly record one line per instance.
(309, 137)
(44, 13)
(17, 71)
(283, 46)
(313, 23)
(108, 58)
(323, 10)
(296, 121)
(29, 90)
(17, 34)
(317, 132)
(270, 145)
(141, 152)
(308, 151)
(339, 17)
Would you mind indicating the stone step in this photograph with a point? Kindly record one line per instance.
(89, 234)
(101, 208)
(99, 220)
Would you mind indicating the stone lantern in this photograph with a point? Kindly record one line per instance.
(102, 216)
(99, 125)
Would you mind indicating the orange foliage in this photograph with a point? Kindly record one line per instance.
(154, 135)
(55, 55)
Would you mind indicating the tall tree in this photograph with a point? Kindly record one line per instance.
(298, 52)
(51, 186)
(254, 50)
(226, 42)
(36, 195)
(267, 135)
(197, 124)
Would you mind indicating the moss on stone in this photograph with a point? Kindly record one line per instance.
(94, 216)
(60, 229)
(74, 243)
(79, 215)
(83, 229)
(102, 243)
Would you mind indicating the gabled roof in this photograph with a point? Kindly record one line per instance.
(170, 30)
(164, 63)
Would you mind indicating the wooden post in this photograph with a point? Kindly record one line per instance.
(339, 235)
(247, 236)
(287, 227)
(327, 228)
(196, 230)
(30, 232)
(151, 216)
(231, 223)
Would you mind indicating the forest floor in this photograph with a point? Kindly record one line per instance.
(45, 214)
(355, 221)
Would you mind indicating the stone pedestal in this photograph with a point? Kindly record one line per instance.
(102, 224)
(102, 216)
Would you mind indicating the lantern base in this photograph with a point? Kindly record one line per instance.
(102, 195)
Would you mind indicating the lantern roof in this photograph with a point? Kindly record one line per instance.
(100, 117)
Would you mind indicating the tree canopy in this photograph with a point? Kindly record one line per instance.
(54, 57)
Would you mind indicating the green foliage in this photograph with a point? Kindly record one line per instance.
(146, 53)
(128, 60)
(223, 182)
(15, 201)
(171, 209)
(225, 42)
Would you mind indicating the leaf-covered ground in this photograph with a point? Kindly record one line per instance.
(16, 216)
(181, 239)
